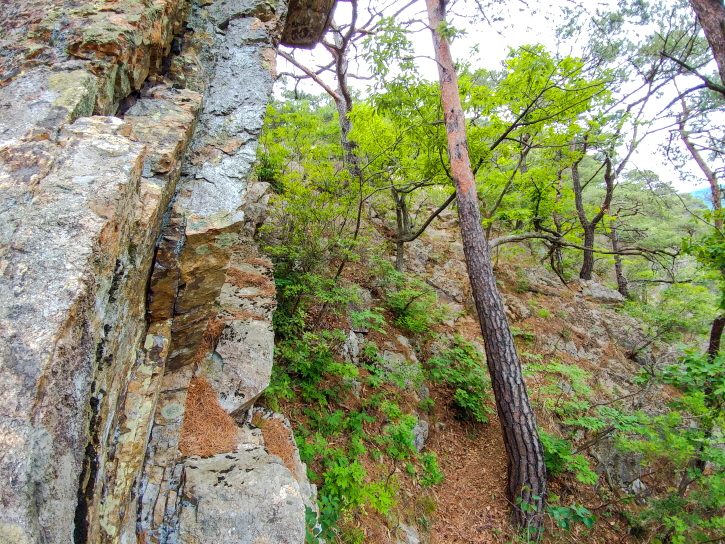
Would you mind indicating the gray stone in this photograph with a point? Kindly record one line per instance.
(256, 206)
(308, 491)
(538, 277)
(450, 280)
(624, 468)
(63, 306)
(223, 11)
(516, 309)
(351, 348)
(401, 367)
(210, 202)
(245, 497)
(600, 293)
(410, 534)
(242, 367)
(420, 433)
(41, 102)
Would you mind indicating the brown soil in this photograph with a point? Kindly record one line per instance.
(472, 504)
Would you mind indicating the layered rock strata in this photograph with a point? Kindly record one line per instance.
(127, 264)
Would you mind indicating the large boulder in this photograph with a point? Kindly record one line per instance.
(243, 497)
(600, 293)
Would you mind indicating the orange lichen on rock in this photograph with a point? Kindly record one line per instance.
(207, 429)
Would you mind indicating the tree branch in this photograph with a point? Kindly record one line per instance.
(431, 218)
(310, 74)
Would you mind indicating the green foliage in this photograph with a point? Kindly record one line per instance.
(268, 170)
(426, 404)
(684, 436)
(448, 32)
(322, 527)
(541, 104)
(305, 361)
(680, 310)
(559, 457)
(389, 49)
(566, 516)
(463, 368)
(689, 437)
(307, 369)
(520, 333)
(431, 472)
(412, 301)
(370, 318)
(696, 374)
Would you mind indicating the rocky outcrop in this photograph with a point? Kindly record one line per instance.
(267, 503)
(125, 256)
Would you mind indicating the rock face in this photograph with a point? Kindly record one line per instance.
(267, 503)
(127, 265)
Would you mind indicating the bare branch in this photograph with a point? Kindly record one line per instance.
(310, 74)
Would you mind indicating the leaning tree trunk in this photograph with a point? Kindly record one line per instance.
(526, 468)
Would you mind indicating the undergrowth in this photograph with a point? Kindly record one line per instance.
(353, 425)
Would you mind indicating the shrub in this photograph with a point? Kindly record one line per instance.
(463, 368)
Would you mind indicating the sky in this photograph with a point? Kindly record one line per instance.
(485, 45)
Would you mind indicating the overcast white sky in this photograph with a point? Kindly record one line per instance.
(518, 26)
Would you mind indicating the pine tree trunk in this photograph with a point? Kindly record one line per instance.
(711, 15)
(402, 224)
(526, 468)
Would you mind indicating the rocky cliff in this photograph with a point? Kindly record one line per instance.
(130, 285)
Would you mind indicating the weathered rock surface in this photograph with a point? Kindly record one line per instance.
(267, 504)
(600, 293)
(120, 44)
(241, 366)
(64, 257)
(409, 534)
(420, 434)
(93, 365)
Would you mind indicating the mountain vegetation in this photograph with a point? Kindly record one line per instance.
(536, 159)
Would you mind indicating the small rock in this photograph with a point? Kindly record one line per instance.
(420, 432)
(410, 534)
(351, 348)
